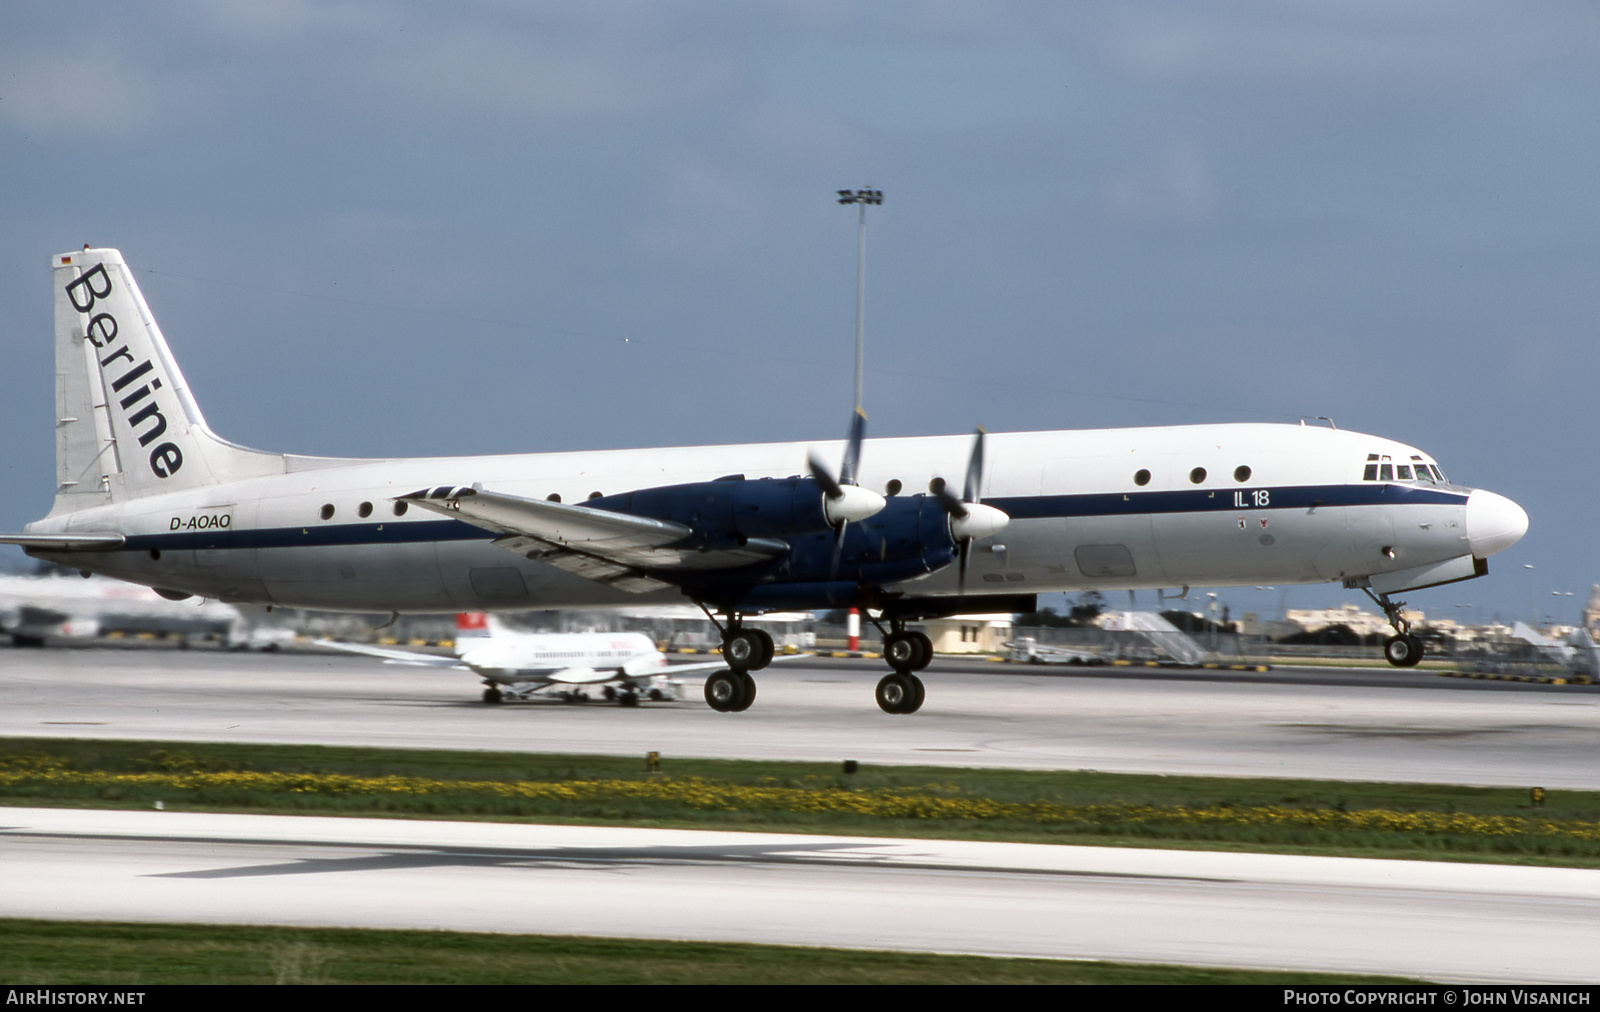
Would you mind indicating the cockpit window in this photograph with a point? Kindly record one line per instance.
(1379, 468)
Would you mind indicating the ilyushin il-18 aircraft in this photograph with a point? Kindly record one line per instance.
(147, 493)
(518, 665)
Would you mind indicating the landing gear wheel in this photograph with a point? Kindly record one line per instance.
(491, 695)
(924, 651)
(749, 692)
(900, 693)
(768, 648)
(730, 691)
(1403, 651)
(901, 651)
(627, 697)
(747, 649)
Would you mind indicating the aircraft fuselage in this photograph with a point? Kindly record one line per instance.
(1201, 505)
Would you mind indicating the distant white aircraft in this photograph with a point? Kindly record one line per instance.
(516, 665)
(66, 606)
(146, 492)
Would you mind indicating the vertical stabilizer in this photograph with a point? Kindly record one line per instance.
(126, 424)
(472, 627)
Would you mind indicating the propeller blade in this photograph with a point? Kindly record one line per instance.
(852, 449)
(948, 499)
(969, 492)
(844, 500)
(824, 477)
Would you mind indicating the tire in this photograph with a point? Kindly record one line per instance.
(768, 648)
(749, 692)
(919, 692)
(741, 650)
(924, 650)
(491, 695)
(896, 693)
(1403, 651)
(725, 691)
(627, 699)
(900, 650)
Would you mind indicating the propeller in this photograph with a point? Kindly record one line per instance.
(969, 518)
(843, 501)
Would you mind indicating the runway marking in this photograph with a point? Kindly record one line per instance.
(830, 854)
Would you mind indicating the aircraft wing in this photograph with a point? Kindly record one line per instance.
(65, 542)
(617, 549)
(394, 656)
(681, 669)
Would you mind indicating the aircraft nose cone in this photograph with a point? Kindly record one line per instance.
(1494, 523)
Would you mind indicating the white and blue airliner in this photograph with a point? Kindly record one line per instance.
(147, 493)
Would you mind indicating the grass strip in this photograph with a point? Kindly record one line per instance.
(36, 952)
(1290, 816)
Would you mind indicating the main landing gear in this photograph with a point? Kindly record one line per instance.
(902, 691)
(1403, 650)
(744, 650)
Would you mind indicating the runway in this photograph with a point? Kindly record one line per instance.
(1356, 725)
(1436, 921)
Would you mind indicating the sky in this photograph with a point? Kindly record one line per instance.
(407, 228)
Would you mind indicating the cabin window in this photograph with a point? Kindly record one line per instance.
(400, 509)
(1197, 475)
(364, 510)
(554, 497)
(893, 488)
(1141, 477)
(936, 486)
(1241, 473)
(595, 495)
(327, 511)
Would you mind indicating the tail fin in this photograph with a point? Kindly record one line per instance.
(126, 424)
(472, 627)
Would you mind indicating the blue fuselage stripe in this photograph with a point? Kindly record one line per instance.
(1043, 507)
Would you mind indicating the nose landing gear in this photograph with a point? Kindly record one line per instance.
(1403, 649)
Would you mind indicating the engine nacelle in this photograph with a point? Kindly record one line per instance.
(734, 510)
(907, 539)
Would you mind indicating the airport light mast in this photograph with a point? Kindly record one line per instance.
(860, 198)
